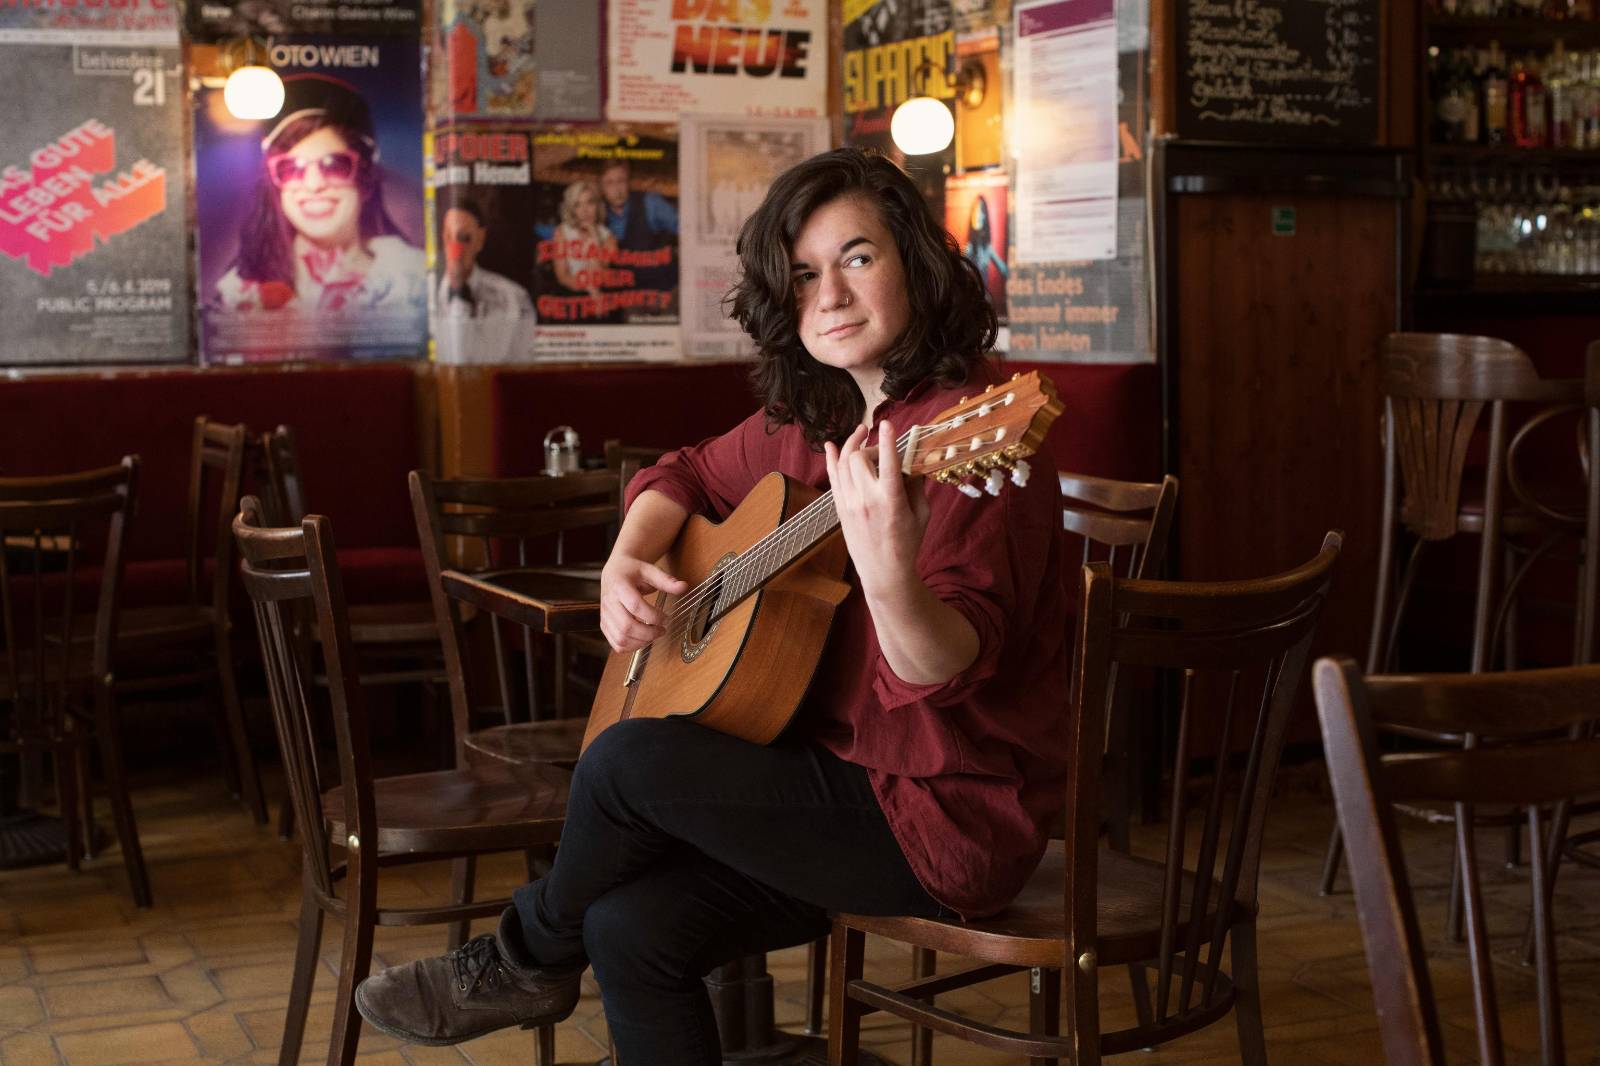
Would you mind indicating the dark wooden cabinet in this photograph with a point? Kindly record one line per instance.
(1282, 272)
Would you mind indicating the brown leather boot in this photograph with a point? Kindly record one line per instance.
(473, 990)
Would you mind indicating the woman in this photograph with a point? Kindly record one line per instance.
(585, 246)
(929, 752)
(318, 239)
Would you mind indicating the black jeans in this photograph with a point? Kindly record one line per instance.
(684, 849)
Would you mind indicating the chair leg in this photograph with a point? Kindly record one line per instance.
(924, 963)
(1044, 1007)
(844, 1014)
(1454, 917)
(1330, 864)
(354, 964)
(249, 775)
(305, 971)
(1247, 992)
(108, 731)
(544, 1046)
(67, 801)
(463, 872)
(816, 985)
(286, 818)
(1139, 980)
(86, 799)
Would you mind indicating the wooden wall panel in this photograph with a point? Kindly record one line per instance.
(1277, 384)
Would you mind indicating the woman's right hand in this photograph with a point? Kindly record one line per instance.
(627, 617)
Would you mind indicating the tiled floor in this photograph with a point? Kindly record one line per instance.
(88, 980)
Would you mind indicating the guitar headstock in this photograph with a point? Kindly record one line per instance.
(988, 436)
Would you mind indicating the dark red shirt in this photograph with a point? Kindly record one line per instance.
(968, 771)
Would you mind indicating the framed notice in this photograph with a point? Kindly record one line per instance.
(728, 164)
(92, 230)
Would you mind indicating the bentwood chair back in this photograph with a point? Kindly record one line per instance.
(58, 689)
(1238, 651)
(1543, 755)
(398, 642)
(191, 643)
(352, 825)
(505, 522)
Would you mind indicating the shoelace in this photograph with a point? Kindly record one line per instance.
(477, 964)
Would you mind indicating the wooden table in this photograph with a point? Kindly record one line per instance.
(556, 601)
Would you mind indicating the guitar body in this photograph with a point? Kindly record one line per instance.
(746, 673)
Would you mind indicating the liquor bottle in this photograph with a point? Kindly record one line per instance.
(1451, 97)
(1533, 109)
(1494, 95)
(1557, 9)
(1558, 87)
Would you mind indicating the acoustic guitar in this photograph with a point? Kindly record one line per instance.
(741, 646)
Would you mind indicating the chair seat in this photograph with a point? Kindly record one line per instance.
(393, 623)
(1516, 519)
(166, 624)
(1030, 931)
(459, 811)
(527, 744)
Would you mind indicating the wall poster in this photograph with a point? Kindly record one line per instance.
(894, 50)
(310, 235)
(976, 207)
(667, 57)
(514, 59)
(481, 249)
(728, 164)
(92, 230)
(606, 252)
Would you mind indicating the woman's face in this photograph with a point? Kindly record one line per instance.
(978, 219)
(849, 285)
(586, 208)
(321, 207)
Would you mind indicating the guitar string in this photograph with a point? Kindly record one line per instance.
(799, 526)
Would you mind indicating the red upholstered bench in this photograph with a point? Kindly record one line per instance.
(356, 427)
(1110, 426)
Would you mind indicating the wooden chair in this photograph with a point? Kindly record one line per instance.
(1124, 524)
(1436, 388)
(1524, 768)
(377, 823)
(1240, 649)
(504, 522)
(397, 643)
(191, 643)
(61, 691)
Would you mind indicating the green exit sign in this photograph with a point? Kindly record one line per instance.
(1283, 222)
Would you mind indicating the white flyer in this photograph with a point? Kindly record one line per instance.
(1064, 138)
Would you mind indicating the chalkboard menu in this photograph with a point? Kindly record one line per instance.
(1278, 71)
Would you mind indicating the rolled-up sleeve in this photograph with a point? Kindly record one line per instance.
(974, 557)
(712, 477)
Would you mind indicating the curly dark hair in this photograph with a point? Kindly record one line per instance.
(952, 324)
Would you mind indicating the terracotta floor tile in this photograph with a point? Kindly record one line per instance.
(119, 996)
(20, 1007)
(165, 1042)
(28, 1049)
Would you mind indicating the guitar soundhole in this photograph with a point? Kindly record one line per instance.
(697, 633)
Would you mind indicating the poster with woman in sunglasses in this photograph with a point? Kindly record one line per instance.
(309, 225)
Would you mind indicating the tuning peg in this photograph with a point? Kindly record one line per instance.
(970, 490)
(1019, 473)
(994, 482)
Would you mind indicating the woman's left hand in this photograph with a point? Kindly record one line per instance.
(883, 518)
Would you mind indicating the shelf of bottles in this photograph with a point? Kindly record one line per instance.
(1511, 146)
